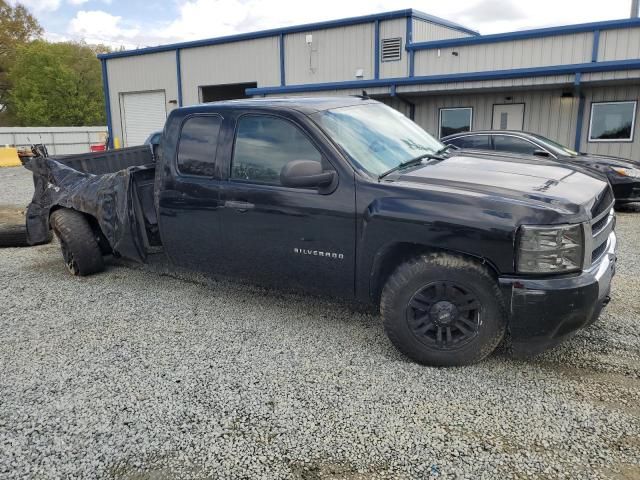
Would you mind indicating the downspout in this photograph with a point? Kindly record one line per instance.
(405, 100)
(107, 102)
(580, 116)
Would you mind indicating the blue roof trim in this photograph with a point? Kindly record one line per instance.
(596, 46)
(293, 29)
(525, 34)
(456, 77)
(283, 80)
(107, 102)
(179, 77)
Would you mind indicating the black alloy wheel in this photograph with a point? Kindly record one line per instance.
(444, 315)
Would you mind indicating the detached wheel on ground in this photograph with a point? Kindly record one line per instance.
(441, 309)
(78, 242)
(13, 231)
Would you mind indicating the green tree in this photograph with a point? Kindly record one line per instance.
(57, 84)
(17, 27)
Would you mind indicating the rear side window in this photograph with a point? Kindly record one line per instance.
(479, 142)
(503, 143)
(198, 144)
(266, 144)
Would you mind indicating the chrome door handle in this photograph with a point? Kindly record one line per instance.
(239, 206)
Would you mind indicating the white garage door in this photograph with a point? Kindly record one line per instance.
(142, 113)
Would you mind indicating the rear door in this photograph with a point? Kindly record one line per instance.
(293, 237)
(189, 202)
(142, 113)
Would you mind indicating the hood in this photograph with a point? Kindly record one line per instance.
(525, 179)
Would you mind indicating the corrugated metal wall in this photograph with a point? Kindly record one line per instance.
(545, 112)
(619, 44)
(238, 62)
(156, 71)
(59, 140)
(535, 52)
(507, 83)
(334, 54)
(395, 29)
(426, 31)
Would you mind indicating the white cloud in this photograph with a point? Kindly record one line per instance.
(198, 19)
(77, 2)
(211, 18)
(96, 26)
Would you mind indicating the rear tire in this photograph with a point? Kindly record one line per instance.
(78, 242)
(443, 310)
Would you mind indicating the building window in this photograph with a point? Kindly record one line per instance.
(612, 121)
(454, 120)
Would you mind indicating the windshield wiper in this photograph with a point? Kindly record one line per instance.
(408, 163)
(444, 149)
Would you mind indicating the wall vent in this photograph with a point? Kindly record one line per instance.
(391, 49)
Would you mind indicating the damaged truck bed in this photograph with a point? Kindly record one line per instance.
(115, 190)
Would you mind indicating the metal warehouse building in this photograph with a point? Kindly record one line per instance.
(576, 84)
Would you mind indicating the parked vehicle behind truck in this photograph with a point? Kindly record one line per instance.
(623, 174)
(347, 197)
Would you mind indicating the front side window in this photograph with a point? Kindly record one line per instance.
(612, 121)
(375, 137)
(264, 145)
(198, 144)
(478, 142)
(504, 143)
(455, 120)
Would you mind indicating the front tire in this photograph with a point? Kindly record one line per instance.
(78, 242)
(443, 310)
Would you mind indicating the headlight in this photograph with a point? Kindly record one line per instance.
(550, 249)
(627, 172)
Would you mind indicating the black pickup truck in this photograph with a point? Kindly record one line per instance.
(347, 197)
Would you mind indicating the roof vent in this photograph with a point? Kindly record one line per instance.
(391, 49)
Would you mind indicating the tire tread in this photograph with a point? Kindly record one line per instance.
(416, 266)
(73, 229)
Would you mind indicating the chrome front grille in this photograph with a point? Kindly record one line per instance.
(596, 234)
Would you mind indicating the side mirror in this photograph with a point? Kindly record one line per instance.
(305, 174)
(541, 153)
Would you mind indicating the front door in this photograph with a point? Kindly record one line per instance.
(508, 116)
(298, 238)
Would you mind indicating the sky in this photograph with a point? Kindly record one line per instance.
(141, 23)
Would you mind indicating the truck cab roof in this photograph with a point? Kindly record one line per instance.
(305, 105)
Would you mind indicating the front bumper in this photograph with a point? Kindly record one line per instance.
(626, 190)
(544, 312)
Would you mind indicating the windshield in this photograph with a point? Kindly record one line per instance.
(559, 148)
(376, 137)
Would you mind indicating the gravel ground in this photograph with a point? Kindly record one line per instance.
(144, 372)
(16, 186)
